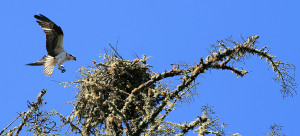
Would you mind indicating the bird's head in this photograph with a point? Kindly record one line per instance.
(72, 57)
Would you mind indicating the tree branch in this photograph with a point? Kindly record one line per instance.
(34, 107)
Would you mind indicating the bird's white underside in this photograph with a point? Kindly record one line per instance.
(61, 58)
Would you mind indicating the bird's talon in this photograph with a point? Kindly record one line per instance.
(63, 70)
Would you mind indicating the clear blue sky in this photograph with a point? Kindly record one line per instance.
(169, 31)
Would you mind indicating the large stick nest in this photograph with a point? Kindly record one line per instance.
(108, 85)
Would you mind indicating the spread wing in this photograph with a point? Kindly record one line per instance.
(54, 35)
(49, 65)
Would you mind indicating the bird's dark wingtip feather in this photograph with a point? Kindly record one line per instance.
(41, 17)
(38, 16)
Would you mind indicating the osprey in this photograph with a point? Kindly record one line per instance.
(54, 45)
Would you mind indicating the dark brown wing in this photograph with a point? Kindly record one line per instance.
(54, 35)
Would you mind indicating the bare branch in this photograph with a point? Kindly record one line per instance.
(34, 107)
(21, 114)
(275, 130)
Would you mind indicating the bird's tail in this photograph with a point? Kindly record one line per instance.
(36, 63)
(39, 62)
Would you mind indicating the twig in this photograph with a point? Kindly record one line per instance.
(67, 121)
(115, 50)
(12, 122)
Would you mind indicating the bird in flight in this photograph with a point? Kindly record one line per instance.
(54, 45)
